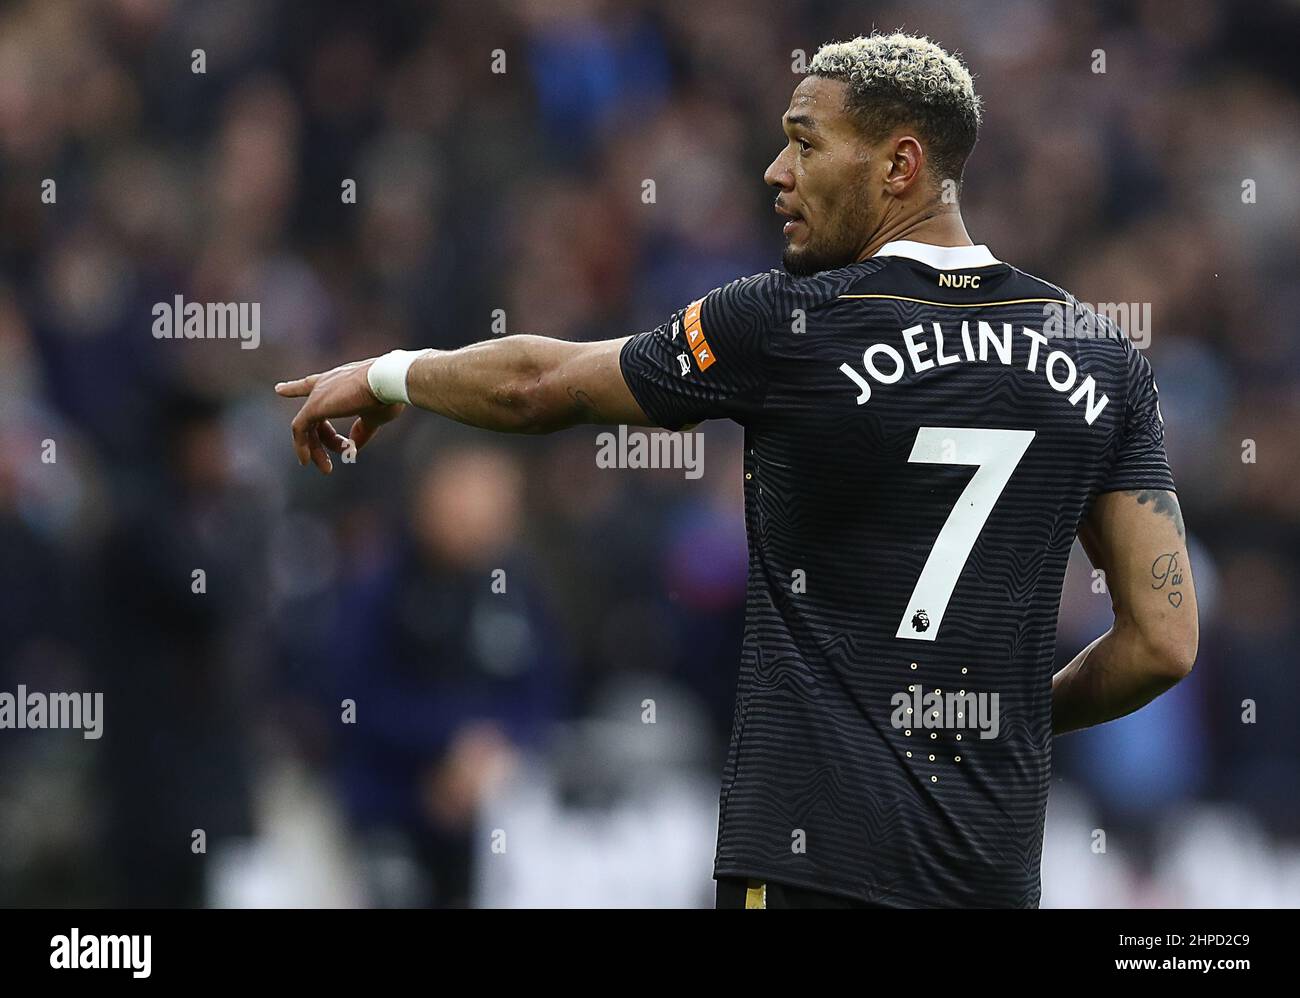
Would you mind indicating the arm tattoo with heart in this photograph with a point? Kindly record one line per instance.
(1169, 576)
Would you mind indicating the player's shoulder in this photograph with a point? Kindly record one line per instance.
(1093, 328)
(773, 295)
(1097, 340)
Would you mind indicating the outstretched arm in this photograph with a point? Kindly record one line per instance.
(517, 384)
(1137, 538)
(526, 384)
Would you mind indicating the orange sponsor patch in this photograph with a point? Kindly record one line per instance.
(693, 312)
(695, 341)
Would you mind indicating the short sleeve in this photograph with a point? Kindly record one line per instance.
(1141, 461)
(708, 361)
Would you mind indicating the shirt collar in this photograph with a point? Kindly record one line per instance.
(940, 257)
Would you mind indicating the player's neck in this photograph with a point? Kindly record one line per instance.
(939, 229)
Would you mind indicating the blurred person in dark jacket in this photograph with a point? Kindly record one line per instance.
(177, 657)
(449, 658)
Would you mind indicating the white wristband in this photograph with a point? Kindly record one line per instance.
(387, 375)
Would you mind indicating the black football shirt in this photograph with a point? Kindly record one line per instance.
(924, 431)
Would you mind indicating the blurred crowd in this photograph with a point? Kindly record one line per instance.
(501, 613)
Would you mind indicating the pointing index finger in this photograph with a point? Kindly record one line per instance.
(295, 389)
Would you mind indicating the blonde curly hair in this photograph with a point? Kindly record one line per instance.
(901, 79)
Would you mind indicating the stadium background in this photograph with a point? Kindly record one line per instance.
(478, 713)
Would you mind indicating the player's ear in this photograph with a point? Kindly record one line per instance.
(905, 161)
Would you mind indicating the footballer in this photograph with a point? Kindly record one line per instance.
(924, 444)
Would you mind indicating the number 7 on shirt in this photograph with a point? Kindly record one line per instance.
(996, 453)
